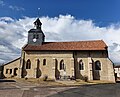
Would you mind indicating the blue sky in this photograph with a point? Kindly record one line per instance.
(103, 12)
(63, 20)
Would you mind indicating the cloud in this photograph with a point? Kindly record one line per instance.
(2, 3)
(4, 49)
(62, 28)
(16, 8)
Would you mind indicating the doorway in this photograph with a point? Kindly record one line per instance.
(96, 67)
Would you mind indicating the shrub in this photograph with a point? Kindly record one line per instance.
(45, 77)
(72, 78)
(85, 78)
(26, 78)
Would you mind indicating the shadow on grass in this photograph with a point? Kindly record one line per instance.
(3, 80)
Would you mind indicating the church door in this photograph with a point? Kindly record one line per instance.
(96, 70)
(62, 69)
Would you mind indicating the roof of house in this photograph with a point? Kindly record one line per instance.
(67, 46)
(11, 61)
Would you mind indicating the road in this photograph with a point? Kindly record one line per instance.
(17, 89)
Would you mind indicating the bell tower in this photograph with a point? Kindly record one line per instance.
(36, 36)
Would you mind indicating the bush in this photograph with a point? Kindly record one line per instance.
(45, 77)
(72, 78)
(85, 78)
(26, 78)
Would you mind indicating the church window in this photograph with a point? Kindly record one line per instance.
(81, 65)
(97, 65)
(38, 63)
(28, 64)
(34, 36)
(62, 65)
(44, 61)
(7, 71)
(15, 71)
(10, 71)
(37, 36)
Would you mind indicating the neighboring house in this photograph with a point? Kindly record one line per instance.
(117, 72)
(1, 71)
(59, 60)
(11, 68)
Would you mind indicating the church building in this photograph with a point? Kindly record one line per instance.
(61, 60)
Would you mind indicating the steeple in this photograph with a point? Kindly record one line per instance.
(36, 36)
(37, 24)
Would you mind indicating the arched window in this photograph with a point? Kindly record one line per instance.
(44, 61)
(38, 63)
(7, 71)
(28, 64)
(81, 65)
(97, 65)
(37, 36)
(62, 65)
(10, 71)
(15, 71)
(34, 36)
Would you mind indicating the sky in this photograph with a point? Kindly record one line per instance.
(63, 20)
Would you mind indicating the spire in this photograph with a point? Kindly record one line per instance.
(36, 36)
(37, 24)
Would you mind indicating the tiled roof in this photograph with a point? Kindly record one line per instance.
(117, 66)
(76, 45)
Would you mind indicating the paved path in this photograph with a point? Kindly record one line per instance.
(15, 89)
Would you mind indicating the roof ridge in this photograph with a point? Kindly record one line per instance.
(11, 61)
(73, 45)
(75, 41)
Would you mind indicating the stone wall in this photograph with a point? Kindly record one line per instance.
(49, 68)
(1, 72)
(71, 60)
(89, 58)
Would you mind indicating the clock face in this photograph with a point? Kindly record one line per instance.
(34, 40)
